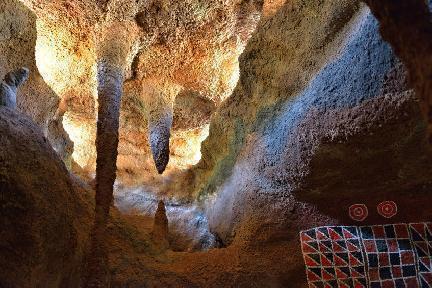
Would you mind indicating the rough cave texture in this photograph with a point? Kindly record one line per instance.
(325, 114)
(413, 24)
(189, 47)
(307, 142)
(43, 220)
(35, 98)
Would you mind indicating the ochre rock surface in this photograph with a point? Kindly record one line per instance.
(187, 47)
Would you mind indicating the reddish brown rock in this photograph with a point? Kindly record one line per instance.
(407, 26)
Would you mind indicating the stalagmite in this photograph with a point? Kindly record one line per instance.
(9, 86)
(160, 228)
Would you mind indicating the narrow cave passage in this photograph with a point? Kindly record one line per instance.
(239, 143)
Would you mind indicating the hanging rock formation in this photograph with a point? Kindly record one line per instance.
(191, 46)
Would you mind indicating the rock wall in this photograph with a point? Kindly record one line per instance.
(321, 119)
(36, 99)
(45, 222)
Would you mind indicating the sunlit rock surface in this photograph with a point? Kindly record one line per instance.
(181, 47)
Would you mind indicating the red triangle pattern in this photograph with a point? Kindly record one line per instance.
(347, 234)
(355, 274)
(312, 276)
(351, 247)
(423, 246)
(354, 261)
(420, 228)
(337, 248)
(308, 249)
(342, 285)
(327, 276)
(310, 262)
(333, 235)
(325, 262)
(357, 284)
(339, 261)
(321, 236)
(324, 248)
(306, 238)
(340, 274)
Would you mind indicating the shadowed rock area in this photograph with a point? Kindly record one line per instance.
(188, 144)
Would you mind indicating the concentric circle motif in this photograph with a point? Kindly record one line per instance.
(387, 209)
(358, 212)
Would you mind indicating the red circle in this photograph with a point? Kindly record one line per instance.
(358, 212)
(387, 209)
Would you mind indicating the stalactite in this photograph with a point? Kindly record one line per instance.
(159, 99)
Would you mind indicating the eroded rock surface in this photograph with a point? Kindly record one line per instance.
(353, 129)
(323, 117)
(191, 46)
(410, 34)
(44, 223)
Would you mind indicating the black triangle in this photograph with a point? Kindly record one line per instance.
(420, 252)
(352, 230)
(329, 256)
(424, 284)
(359, 269)
(315, 257)
(428, 235)
(316, 271)
(311, 233)
(324, 231)
(313, 245)
(355, 242)
(338, 230)
(416, 236)
(344, 256)
(331, 271)
(422, 267)
(333, 283)
(348, 282)
(328, 244)
(342, 244)
(345, 270)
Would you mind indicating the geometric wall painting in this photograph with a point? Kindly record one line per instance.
(394, 255)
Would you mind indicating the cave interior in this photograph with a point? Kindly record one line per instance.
(216, 143)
